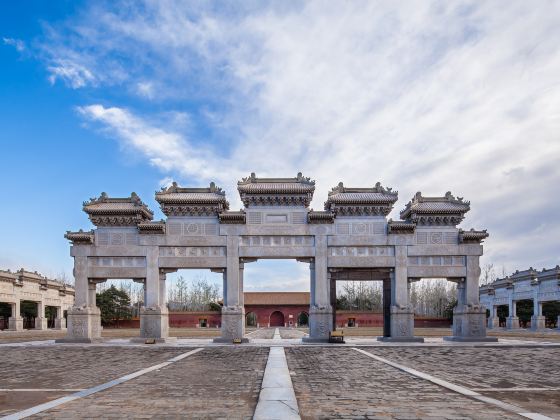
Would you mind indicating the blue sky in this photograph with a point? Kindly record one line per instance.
(422, 96)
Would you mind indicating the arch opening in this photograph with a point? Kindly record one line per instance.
(276, 319)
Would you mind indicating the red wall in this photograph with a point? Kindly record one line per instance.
(263, 313)
(363, 319)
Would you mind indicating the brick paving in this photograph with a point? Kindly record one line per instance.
(291, 333)
(75, 367)
(266, 333)
(219, 382)
(479, 368)
(329, 382)
(344, 384)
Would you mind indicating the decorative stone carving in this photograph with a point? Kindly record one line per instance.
(117, 261)
(273, 241)
(80, 237)
(437, 260)
(472, 236)
(376, 201)
(178, 201)
(296, 191)
(361, 251)
(106, 211)
(435, 211)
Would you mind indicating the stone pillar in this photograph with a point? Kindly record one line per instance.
(154, 316)
(41, 319)
(15, 322)
(537, 320)
(493, 321)
(241, 290)
(469, 317)
(558, 322)
(512, 321)
(320, 312)
(84, 318)
(59, 321)
(401, 311)
(312, 282)
(233, 312)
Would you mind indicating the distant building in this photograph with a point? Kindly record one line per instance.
(29, 300)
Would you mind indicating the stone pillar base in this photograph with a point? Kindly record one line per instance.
(154, 323)
(512, 323)
(60, 323)
(41, 323)
(320, 324)
(402, 325)
(15, 324)
(493, 322)
(469, 324)
(538, 322)
(233, 325)
(84, 325)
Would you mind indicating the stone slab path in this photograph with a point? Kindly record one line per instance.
(277, 399)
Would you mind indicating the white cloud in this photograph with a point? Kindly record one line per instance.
(440, 96)
(18, 44)
(145, 89)
(73, 74)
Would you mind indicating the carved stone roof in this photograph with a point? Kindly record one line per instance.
(179, 201)
(399, 226)
(472, 236)
(316, 217)
(376, 201)
(296, 191)
(152, 228)
(523, 275)
(232, 217)
(437, 211)
(106, 211)
(80, 237)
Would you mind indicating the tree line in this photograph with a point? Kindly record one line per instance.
(429, 297)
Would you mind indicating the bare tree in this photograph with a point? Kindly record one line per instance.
(488, 274)
(196, 296)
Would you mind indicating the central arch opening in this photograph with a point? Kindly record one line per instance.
(276, 295)
(194, 300)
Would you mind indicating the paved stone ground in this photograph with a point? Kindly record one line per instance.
(28, 335)
(221, 382)
(490, 368)
(342, 383)
(329, 382)
(291, 333)
(67, 367)
(266, 333)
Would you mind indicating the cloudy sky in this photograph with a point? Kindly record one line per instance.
(424, 96)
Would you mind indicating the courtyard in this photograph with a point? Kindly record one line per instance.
(195, 378)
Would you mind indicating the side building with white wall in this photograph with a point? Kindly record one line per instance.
(25, 286)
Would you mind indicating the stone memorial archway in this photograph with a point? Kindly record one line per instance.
(350, 237)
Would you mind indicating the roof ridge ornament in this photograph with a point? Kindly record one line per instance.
(255, 191)
(436, 211)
